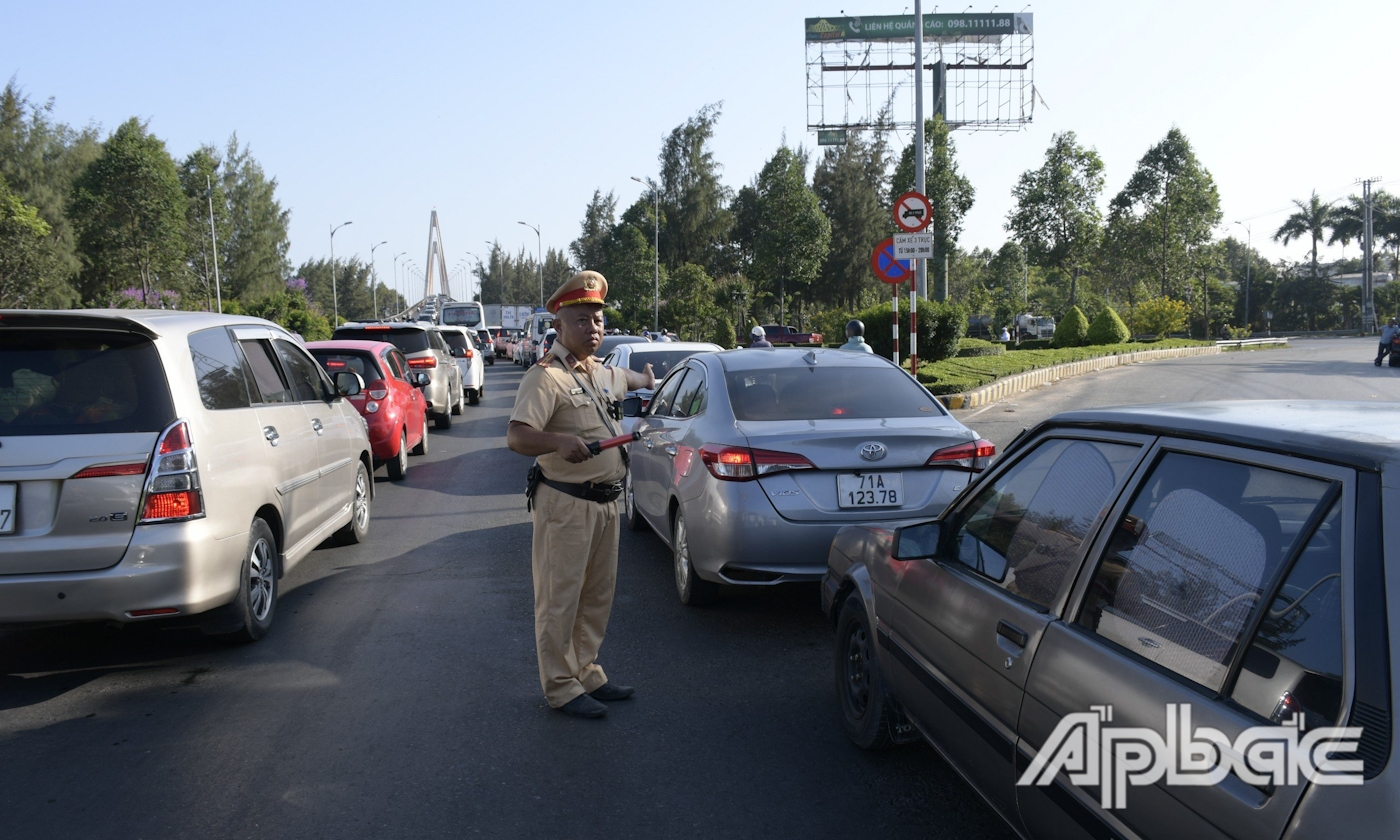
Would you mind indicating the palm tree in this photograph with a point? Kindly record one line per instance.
(1310, 220)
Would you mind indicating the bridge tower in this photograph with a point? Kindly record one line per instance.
(437, 261)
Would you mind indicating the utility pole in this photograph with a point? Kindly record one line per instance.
(1368, 310)
(920, 158)
(214, 239)
(655, 255)
(1248, 265)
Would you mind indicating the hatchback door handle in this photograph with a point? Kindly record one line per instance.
(316, 424)
(270, 434)
(1012, 633)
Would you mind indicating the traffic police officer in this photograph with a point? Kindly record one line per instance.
(565, 402)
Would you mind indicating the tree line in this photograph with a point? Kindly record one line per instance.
(88, 221)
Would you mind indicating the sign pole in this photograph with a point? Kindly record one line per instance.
(920, 160)
(894, 308)
(914, 329)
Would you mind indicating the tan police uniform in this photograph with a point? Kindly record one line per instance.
(574, 552)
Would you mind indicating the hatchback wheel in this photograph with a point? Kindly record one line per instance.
(398, 466)
(357, 528)
(693, 591)
(865, 707)
(422, 447)
(250, 615)
(635, 522)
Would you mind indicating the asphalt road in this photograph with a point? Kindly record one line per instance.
(1321, 369)
(398, 695)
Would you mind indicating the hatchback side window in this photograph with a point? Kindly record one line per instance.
(690, 399)
(267, 373)
(1025, 530)
(306, 374)
(1294, 664)
(661, 403)
(218, 369)
(396, 365)
(1186, 567)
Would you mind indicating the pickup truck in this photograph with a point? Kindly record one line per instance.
(779, 334)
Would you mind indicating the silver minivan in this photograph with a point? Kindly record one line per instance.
(168, 464)
(1147, 622)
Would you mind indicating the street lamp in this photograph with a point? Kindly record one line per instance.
(335, 293)
(1248, 265)
(396, 277)
(656, 254)
(539, 248)
(374, 275)
(469, 289)
(462, 264)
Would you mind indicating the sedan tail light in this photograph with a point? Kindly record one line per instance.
(172, 490)
(740, 463)
(423, 364)
(974, 456)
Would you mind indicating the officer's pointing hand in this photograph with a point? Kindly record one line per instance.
(573, 449)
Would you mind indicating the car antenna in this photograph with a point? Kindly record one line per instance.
(811, 357)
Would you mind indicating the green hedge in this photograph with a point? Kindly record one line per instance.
(1108, 328)
(1072, 330)
(953, 376)
(969, 347)
(941, 325)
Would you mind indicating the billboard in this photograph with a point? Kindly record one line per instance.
(901, 27)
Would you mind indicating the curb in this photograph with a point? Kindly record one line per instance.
(1016, 383)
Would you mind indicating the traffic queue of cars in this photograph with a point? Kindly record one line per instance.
(158, 464)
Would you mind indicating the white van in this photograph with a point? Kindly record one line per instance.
(539, 324)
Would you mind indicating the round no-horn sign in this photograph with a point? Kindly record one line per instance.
(886, 267)
(912, 212)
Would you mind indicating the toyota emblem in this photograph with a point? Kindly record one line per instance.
(873, 451)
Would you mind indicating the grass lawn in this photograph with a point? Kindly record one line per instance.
(953, 376)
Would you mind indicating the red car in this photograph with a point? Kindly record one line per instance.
(391, 403)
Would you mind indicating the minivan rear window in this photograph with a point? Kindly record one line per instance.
(833, 393)
(410, 341)
(456, 340)
(79, 382)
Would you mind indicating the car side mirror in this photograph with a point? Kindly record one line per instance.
(348, 383)
(459, 352)
(915, 541)
(632, 407)
(421, 379)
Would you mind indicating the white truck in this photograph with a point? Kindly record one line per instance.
(511, 316)
(1035, 326)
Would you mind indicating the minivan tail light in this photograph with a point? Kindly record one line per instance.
(173, 493)
(111, 470)
(974, 456)
(739, 463)
(423, 364)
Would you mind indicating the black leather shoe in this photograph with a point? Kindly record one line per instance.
(585, 707)
(612, 691)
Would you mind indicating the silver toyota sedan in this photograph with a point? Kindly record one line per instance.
(749, 461)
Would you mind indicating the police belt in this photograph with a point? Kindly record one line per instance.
(588, 491)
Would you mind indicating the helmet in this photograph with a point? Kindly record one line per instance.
(757, 332)
(855, 327)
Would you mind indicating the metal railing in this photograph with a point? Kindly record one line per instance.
(1251, 342)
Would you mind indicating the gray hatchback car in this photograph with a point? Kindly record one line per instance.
(1150, 622)
(750, 460)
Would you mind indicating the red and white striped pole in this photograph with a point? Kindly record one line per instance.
(914, 330)
(894, 308)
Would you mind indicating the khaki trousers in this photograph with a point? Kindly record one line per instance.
(574, 559)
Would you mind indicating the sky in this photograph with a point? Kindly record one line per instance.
(496, 113)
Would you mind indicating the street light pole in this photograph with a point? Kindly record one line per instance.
(655, 254)
(397, 295)
(1248, 266)
(218, 288)
(374, 275)
(481, 292)
(335, 292)
(539, 248)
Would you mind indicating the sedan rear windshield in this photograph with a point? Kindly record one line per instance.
(661, 361)
(335, 361)
(81, 383)
(409, 341)
(833, 393)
